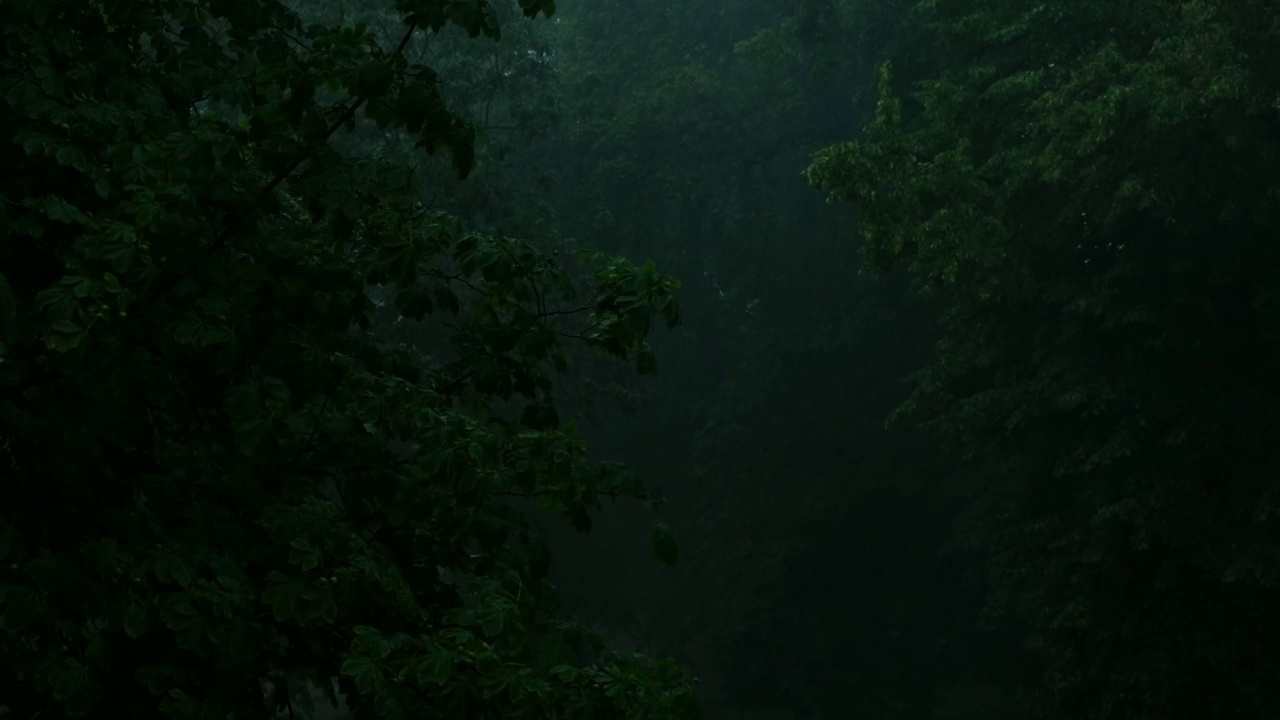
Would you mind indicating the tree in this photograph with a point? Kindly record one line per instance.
(219, 480)
(1091, 192)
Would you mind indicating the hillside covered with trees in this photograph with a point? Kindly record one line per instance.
(752, 360)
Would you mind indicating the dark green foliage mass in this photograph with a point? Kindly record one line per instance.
(1091, 191)
(218, 477)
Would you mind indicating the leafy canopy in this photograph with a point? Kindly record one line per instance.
(219, 479)
(1091, 193)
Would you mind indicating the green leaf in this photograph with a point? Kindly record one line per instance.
(494, 615)
(178, 704)
(327, 608)
(414, 302)
(494, 684)
(364, 672)
(303, 554)
(434, 667)
(67, 336)
(135, 620)
(60, 210)
(565, 673)
(112, 283)
(211, 335)
(22, 607)
(179, 571)
(68, 679)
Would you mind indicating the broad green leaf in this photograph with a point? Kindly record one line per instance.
(364, 672)
(135, 620)
(433, 667)
(68, 679)
(22, 606)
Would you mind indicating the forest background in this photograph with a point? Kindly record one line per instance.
(298, 300)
